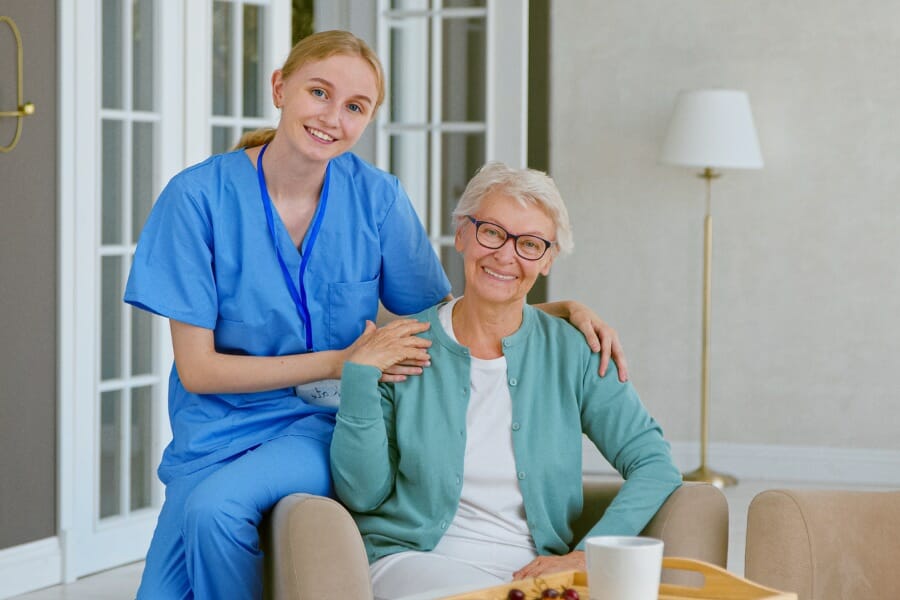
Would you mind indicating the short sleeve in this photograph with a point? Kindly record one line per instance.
(172, 274)
(412, 278)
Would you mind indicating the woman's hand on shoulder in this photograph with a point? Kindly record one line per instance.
(395, 349)
(542, 565)
(598, 334)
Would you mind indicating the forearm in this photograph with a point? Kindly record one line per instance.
(203, 370)
(360, 455)
(217, 373)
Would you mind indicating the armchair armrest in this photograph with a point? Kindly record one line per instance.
(693, 521)
(314, 550)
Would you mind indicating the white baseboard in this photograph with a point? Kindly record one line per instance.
(30, 567)
(779, 463)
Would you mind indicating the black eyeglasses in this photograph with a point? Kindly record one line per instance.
(490, 235)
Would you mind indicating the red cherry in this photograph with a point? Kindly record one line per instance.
(570, 594)
(515, 594)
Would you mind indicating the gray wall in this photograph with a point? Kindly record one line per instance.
(28, 294)
(806, 266)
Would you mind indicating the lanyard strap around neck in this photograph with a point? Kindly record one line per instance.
(298, 292)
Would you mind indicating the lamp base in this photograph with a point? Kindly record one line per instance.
(707, 475)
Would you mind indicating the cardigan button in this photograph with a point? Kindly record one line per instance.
(515, 426)
(513, 381)
(521, 475)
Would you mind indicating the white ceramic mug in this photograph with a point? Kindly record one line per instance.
(623, 567)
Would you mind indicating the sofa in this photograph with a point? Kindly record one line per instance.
(825, 544)
(313, 549)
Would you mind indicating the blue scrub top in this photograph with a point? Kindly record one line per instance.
(206, 257)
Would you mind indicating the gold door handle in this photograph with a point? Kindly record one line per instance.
(23, 109)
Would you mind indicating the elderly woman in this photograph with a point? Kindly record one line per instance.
(471, 473)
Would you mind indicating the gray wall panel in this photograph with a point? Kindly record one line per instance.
(28, 281)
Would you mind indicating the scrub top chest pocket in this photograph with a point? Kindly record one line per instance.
(349, 305)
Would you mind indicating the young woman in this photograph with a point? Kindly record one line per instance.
(268, 261)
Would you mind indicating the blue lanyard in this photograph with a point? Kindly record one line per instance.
(297, 295)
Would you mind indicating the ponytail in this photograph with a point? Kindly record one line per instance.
(252, 139)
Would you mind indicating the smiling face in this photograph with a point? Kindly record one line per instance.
(501, 276)
(325, 105)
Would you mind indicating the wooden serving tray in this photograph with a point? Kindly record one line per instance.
(718, 584)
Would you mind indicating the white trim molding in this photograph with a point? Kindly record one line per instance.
(835, 466)
(30, 567)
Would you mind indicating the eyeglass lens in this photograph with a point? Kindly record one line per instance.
(491, 235)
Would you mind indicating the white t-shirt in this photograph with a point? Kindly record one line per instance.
(490, 526)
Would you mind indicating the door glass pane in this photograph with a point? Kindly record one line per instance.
(253, 49)
(409, 93)
(409, 162)
(462, 154)
(141, 342)
(142, 57)
(464, 70)
(221, 139)
(111, 317)
(111, 227)
(221, 59)
(112, 53)
(464, 3)
(141, 444)
(142, 175)
(410, 4)
(453, 265)
(110, 453)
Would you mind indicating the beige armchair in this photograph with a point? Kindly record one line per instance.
(825, 545)
(313, 549)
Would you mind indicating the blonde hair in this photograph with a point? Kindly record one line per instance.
(529, 187)
(315, 47)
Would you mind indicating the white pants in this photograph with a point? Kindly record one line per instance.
(456, 565)
(412, 573)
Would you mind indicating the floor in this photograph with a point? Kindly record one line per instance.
(121, 583)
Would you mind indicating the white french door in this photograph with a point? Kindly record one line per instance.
(457, 75)
(142, 83)
(457, 97)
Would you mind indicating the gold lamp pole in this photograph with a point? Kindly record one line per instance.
(710, 129)
(703, 472)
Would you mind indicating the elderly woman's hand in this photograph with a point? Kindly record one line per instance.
(395, 349)
(573, 561)
(599, 335)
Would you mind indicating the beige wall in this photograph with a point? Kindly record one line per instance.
(806, 267)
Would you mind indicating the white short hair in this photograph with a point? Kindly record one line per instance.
(527, 186)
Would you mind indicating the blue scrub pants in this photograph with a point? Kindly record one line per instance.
(206, 543)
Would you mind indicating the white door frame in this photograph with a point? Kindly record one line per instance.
(85, 544)
(88, 545)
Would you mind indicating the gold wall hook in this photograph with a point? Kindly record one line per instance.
(23, 109)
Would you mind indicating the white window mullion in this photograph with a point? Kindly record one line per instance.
(383, 49)
(237, 70)
(436, 138)
(507, 61)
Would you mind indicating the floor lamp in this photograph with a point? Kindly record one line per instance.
(709, 130)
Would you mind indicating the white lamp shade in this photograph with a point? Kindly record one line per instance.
(712, 128)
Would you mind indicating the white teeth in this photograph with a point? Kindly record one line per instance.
(321, 135)
(498, 275)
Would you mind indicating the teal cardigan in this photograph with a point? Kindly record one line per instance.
(397, 452)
